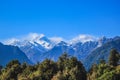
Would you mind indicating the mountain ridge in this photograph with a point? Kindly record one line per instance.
(37, 47)
(102, 52)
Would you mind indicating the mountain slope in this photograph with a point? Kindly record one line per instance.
(33, 46)
(33, 51)
(83, 50)
(79, 49)
(58, 50)
(102, 52)
(38, 47)
(8, 53)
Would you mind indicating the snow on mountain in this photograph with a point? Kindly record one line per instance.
(83, 38)
(38, 47)
(103, 52)
(58, 50)
(11, 41)
(32, 38)
(33, 45)
(48, 43)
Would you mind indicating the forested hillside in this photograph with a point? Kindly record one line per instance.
(66, 68)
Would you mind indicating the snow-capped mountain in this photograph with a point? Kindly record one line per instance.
(38, 47)
(32, 45)
(83, 38)
(34, 39)
(58, 50)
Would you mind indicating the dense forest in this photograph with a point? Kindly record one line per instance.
(65, 68)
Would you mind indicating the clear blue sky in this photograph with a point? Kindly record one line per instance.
(59, 17)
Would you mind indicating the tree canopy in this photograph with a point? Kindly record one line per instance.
(66, 68)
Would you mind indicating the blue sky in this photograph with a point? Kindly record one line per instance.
(63, 18)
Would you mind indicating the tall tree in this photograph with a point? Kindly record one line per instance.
(0, 69)
(47, 69)
(71, 68)
(114, 57)
(12, 70)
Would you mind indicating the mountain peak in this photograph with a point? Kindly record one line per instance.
(62, 43)
(34, 36)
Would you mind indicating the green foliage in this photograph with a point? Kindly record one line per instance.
(71, 68)
(47, 69)
(1, 70)
(62, 62)
(66, 68)
(12, 70)
(13, 62)
(104, 71)
(114, 58)
(59, 76)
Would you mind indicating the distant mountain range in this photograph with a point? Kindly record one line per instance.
(38, 47)
(86, 48)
